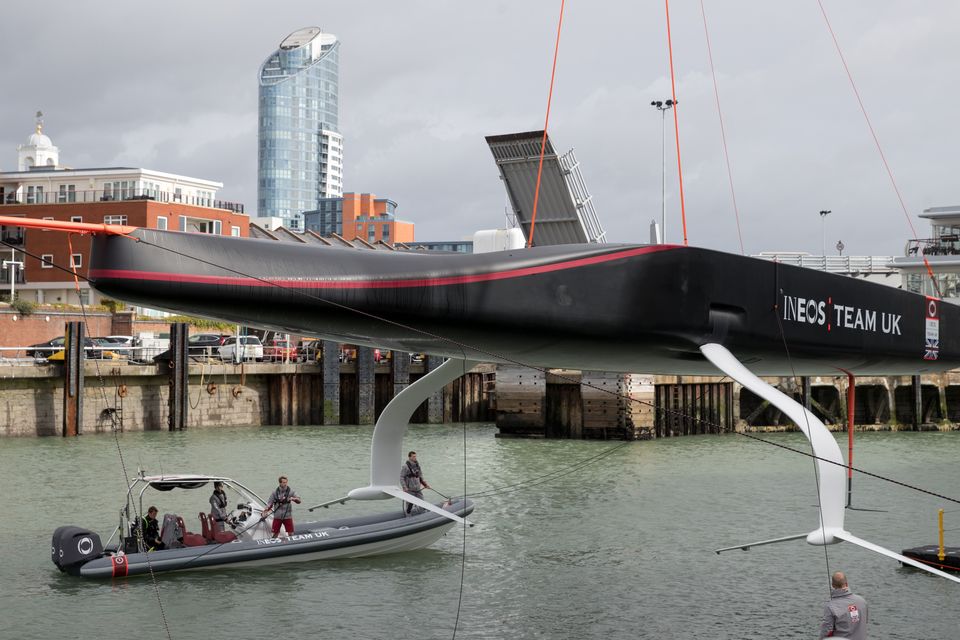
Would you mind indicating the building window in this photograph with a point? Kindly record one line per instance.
(67, 193)
(114, 219)
(76, 218)
(84, 295)
(46, 261)
(11, 235)
(35, 194)
(47, 218)
(200, 225)
(235, 231)
(76, 260)
(162, 223)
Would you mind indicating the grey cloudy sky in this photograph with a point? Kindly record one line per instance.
(172, 86)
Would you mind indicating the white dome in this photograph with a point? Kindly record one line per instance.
(39, 140)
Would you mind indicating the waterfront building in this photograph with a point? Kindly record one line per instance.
(300, 146)
(359, 215)
(270, 223)
(942, 251)
(112, 195)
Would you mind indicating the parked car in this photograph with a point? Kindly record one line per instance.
(280, 350)
(121, 344)
(249, 348)
(309, 350)
(205, 344)
(45, 349)
(92, 351)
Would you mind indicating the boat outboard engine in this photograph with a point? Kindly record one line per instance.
(72, 547)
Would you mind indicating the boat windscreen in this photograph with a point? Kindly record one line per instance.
(169, 485)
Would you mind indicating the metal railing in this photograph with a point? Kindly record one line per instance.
(948, 245)
(23, 196)
(138, 354)
(835, 264)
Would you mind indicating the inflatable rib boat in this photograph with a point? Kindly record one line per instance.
(246, 539)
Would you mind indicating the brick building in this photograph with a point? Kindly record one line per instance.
(359, 215)
(43, 189)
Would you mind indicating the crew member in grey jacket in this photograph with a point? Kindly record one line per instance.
(279, 503)
(218, 506)
(412, 481)
(845, 616)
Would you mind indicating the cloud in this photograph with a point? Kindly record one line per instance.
(174, 88)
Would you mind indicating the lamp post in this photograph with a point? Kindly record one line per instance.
(823, 232)
(663, 106)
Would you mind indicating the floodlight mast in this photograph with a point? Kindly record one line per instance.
(663, 106)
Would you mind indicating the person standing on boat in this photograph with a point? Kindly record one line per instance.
(218, 505)
(279, 503)
(151, 531)
(412, 482)
(845, 615)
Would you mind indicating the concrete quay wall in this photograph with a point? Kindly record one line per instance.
(136, 397)
(574, 404)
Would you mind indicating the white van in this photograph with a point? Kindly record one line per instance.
(149, 344)
(249, 348)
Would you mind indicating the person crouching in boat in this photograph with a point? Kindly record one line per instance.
(218, 505)
(279, 503)
(412, 482)
(151, 531)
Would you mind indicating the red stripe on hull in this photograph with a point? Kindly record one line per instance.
(126, 274)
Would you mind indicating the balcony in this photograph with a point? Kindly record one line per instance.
(115, 195)
(17, 279)
(945, 245)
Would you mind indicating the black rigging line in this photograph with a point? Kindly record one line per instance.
(123, 465)
(552, 475)
(716, 428)
(463, 549)
(806, 418)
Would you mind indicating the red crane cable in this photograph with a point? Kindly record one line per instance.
(676, 124)
(723, 133)
(546, 122)
(876, 141)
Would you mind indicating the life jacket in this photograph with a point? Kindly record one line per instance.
(414, 468)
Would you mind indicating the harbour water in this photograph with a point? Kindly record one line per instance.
(620, 548)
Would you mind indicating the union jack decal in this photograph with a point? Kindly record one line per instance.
(932, 345)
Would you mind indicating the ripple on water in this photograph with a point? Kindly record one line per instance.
(619, 549)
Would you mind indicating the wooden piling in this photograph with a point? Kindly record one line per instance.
(178, 400)
(73, 359)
